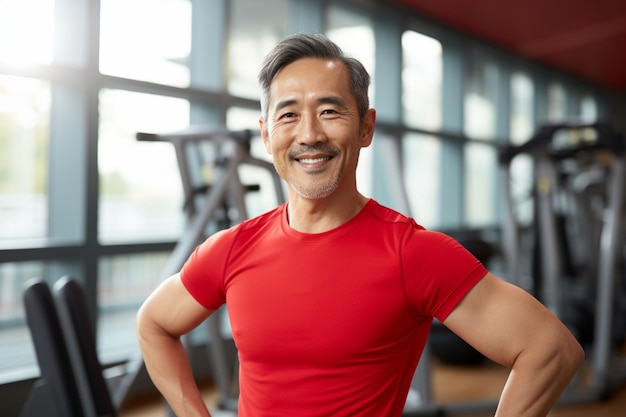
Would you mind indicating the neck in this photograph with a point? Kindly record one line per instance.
(324, 214)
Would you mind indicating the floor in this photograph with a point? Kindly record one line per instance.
(451, 385)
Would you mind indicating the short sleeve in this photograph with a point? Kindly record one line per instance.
(203, 272)
(438, 272)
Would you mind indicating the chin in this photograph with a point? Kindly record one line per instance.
(314, 193)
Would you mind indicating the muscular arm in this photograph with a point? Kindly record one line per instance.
(509, 326)
(167, 314)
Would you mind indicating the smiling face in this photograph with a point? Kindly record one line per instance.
(313, 129)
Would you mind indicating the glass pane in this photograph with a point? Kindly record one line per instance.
(522, 183)
(255, 27)
(421, 159)
(26, 31)
(522, 108)
(354, 34)
(589, 108)
(480, 184)
(148, 41)
(140, 185)
(24, 135)
(124, 282)
(522, 129)
(479, 101)
(421, 81)
(557, 103)
(16, 348)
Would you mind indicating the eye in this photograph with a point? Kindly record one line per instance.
(329, 111)
(287, 115)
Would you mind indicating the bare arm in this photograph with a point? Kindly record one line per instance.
(512, 328)
(167, 314)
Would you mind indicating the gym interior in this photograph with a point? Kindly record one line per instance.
(129, 133)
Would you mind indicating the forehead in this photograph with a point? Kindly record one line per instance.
(309, 74)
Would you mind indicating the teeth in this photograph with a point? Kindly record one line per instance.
(313, 161)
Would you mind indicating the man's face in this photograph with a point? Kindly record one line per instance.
(313, 129)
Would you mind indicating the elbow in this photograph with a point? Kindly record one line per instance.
(576, 354)
(146, 329)
(569, 355)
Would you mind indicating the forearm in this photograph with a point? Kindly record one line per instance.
(168, 366)
(534, 386)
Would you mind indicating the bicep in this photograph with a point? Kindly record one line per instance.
(171, 308)
(501, 320)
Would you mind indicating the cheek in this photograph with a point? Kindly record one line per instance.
(275, 140)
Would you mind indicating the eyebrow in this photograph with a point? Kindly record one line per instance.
(335, 100)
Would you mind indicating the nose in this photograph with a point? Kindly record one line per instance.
(310, 131)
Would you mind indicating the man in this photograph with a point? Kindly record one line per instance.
(331, 295)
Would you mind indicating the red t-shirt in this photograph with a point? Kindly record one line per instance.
(330, 324)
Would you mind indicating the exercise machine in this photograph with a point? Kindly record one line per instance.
(578, 241)
(209, 162)
(56, 392)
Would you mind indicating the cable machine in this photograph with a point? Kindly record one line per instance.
(578, 254)
(209, 162)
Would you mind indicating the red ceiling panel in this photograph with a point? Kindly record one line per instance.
(584, 38)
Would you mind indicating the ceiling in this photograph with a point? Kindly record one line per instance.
(584, 38)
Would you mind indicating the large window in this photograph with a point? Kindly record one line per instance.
(32, 23)
(422, 72)
(140, 186)
(24, 134)
(522, 129)
(149, 42)
(421, 81)
(480, 160)
(256, 26)
(421, 156)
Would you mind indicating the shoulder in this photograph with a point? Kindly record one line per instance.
(378, 213)
(259, 224)
(413, 232)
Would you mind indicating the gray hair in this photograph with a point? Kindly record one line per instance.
(306, 45)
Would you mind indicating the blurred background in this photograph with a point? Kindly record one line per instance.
(453, 84)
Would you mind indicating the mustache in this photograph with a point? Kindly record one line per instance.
(310, 149)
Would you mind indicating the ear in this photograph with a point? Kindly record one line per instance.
(369, 124)
(264, 136)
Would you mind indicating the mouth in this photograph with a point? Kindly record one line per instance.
(313, 164)
(313, 161)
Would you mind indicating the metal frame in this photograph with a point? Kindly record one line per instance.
(203, 202)
(546, 154)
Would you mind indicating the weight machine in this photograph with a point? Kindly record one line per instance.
(209, 162)
(579, 259)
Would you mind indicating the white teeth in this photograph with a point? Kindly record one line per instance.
(313, 161)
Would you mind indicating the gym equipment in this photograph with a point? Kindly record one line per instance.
(80, 339)
(579, 230)
(588, 160)
(56, 392)
(71, 383)
(209, 161)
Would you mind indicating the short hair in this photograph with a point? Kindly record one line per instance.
(307, 45)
